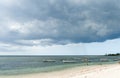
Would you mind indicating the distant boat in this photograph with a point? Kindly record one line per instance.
(104, 60)
(116, 59)
(49, 60)
(69, 61)
(86, 60)
(77, 58)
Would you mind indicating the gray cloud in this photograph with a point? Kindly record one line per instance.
(47, 22)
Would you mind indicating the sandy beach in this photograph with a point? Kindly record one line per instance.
(96, 71)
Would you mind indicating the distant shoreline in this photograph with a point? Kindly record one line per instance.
(117, 54)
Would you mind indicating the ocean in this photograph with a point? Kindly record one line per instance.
(14, 65)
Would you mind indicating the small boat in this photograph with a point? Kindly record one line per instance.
(104, 60)
(89, 60)
(116, 59)
(77, 58)
(49, 60)
(86, 60)
(69, 61)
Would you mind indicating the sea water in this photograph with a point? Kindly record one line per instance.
(14, 65)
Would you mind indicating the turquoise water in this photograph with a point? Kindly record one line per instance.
(14, 65)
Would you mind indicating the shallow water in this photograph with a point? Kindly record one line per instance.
(11, 65)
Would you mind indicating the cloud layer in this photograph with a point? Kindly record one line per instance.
(48, 22)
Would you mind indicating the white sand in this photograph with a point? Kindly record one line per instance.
(108, 72)
(98, 71)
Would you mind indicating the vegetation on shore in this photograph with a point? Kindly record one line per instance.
(117, 54)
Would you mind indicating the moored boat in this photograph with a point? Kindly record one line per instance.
(49, 60)
(69, 61)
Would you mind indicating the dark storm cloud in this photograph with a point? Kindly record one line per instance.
(47, 22)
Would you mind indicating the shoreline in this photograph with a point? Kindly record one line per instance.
(50, 69)
(74, 72)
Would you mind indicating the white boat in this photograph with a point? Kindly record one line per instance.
(69, 61)
(104, 60)
(49, 60)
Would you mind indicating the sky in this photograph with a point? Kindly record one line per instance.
(59, 27)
